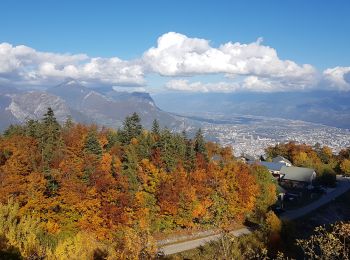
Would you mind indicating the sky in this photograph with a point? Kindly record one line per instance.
(197, 46)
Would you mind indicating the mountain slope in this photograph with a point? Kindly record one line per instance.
(325, 107)
(101, 106)
(109, 107)
(6, 117)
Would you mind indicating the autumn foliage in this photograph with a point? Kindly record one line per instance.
(321, 158)
(116, 188)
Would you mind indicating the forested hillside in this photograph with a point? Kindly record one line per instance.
(81, 191)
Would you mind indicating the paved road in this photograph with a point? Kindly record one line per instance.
(187, 245)
(343, 185)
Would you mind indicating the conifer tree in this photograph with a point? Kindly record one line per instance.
(50, 119)
(50, 135)
(129, 169)
(155, 127)
(33, 128)
(199, 143)
(180, 147)
(132, 128)
(92, 144)
(144, 146)
(49, 132)
(14, 130)
(113, 168)
(69, 122)
(184, 135)
(190, 155)
(168, 150)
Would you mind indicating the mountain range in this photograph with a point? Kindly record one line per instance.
(106, 106)
(103, 106)
(329, 108)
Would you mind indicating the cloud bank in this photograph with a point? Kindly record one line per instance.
(22, 65)
(242, 67)
(338, 77)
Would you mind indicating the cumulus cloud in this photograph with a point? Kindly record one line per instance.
(179, 55)
(176, 55)
(24, 65)
(245, 67)
(338, 77)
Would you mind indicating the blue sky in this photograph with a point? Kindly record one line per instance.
(306, 32)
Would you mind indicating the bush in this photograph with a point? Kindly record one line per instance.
(327, 178)
(324, 244)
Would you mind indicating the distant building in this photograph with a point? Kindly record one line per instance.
(216, 158)
(274, 168)
(247, 158)
(297, 177)
(281, 159)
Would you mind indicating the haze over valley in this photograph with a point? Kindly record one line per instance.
(246, 122)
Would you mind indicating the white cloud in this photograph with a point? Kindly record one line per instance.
(24, 65)
(176, 55)
(179, 55)
(250, 83)
(185, 85)
(245, 67)
(338, 77)
(129, 89)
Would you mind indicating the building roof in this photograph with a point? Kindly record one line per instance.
(248, 157)
(272, 166)
(281, 159)
(297, 173)
(269, 165)
(216, 157)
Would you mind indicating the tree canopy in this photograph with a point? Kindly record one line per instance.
(77, 183)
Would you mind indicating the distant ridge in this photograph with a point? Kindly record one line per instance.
(71, 98)
(323, 107)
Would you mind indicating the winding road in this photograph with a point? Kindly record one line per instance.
(343, 185)
(187, 245)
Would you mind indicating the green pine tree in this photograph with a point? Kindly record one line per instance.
(69, 122)
(113, 169)
(168, 150)
(132, 128)
(144, 147)
(155, 127)
(92, 144)
(50, 137)
(33, 128)
(199, 143)
(50, 119)
(190, 156)
(129, 169)
(51, 145)
(14, 130)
